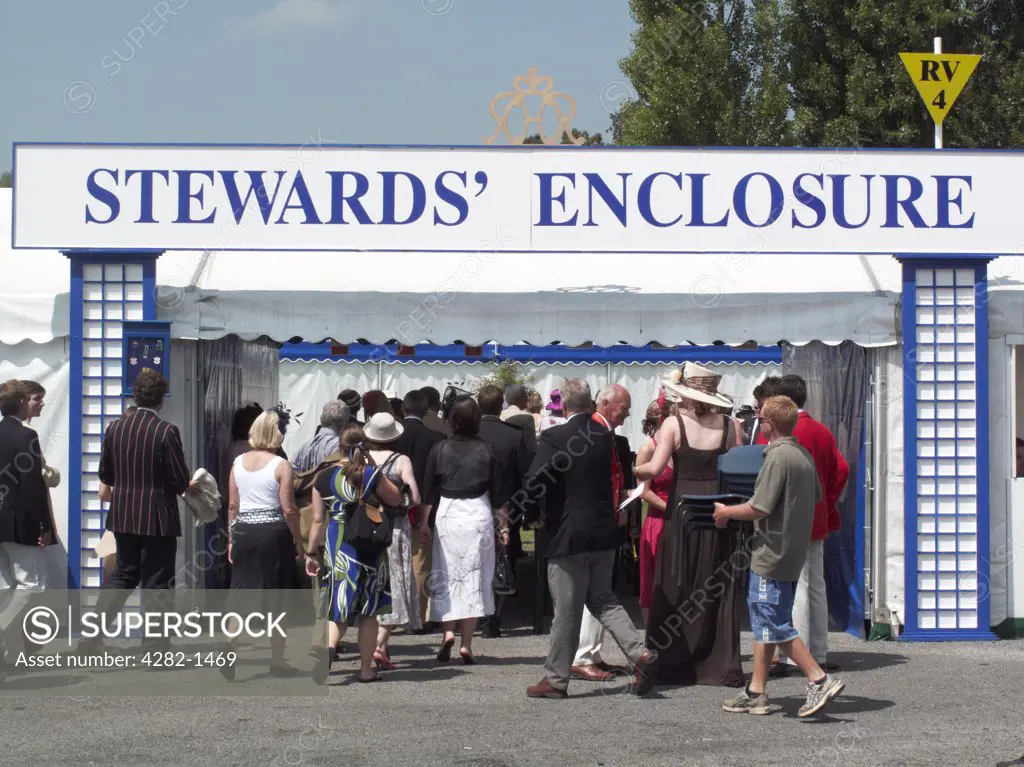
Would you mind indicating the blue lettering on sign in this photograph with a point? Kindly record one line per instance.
(186, 196)
(146, 192)
(739, 200)
(101, 194)
(944, 201)
(660, 199)
(547, 197)
(808, 200)
(839, 201)
(283, 198)
(643, 201)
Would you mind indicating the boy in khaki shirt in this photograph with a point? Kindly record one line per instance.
(782, 510)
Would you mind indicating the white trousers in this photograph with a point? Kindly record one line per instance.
(591, 639)
(23, 570)
(22, 567)
(810, 606)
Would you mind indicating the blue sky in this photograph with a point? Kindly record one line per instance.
(289, 71)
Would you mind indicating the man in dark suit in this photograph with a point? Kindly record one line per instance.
(611, 409)
(431, 417)
(508, 445)
(415, 442)
(26, 528)
(143, 463)
(578, 474)
(517, 415)
(351, 398)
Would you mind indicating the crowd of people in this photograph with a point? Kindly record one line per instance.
(406, 515)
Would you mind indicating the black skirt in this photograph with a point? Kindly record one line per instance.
(264, 557)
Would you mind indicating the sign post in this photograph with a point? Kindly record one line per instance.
(938, 123)
(940, 78)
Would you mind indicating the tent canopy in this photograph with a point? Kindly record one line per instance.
(489, 296)
(509, 298)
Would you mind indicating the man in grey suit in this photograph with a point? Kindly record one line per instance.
(577, 473)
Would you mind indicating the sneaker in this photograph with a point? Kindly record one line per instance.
(744, 704)
(820, 694)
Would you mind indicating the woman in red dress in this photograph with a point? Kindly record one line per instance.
(655, 495)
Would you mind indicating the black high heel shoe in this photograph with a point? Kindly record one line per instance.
(467, 657)
(445, 653)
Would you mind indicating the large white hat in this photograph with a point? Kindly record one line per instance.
(382, 428)
(698, 384)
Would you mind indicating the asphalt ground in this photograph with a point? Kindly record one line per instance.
(904, 704)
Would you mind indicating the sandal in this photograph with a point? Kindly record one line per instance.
(382, 661)
(445, 653)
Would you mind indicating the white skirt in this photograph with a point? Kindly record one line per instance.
(459, 584)
(405, 602)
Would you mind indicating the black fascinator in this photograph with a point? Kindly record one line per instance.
(284, 416)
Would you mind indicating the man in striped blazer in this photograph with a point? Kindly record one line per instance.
(143, 464)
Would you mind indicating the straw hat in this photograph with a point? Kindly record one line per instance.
(382, 428)
(698, 384)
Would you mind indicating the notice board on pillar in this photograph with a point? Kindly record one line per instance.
(147, 344)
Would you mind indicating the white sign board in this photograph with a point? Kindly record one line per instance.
(539, 199)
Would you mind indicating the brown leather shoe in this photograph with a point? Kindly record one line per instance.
(590, 673)
(544, 689)
(644, 672)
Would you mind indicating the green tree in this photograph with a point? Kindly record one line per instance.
(851, 89)
(817, 73)
(6, 181)
(505, 373)
(705, 73)
(589, 140)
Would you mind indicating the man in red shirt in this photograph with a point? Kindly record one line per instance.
(810, 609)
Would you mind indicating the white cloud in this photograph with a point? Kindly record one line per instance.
(299, 14)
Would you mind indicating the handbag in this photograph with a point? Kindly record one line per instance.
(367, 524)
(504, 581)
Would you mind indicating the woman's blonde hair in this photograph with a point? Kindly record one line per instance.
(265, 432)
(534, 402)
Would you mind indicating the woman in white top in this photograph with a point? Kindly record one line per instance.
(263, 521)
(380, 434)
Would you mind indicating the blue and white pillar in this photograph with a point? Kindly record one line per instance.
(107, 289)
(946, 417)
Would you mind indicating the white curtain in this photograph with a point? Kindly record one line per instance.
(891, 433)
(48, 364)
(305, 387)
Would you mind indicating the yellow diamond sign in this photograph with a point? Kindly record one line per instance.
(939, 78)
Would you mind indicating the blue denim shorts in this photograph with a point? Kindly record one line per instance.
(771, 609)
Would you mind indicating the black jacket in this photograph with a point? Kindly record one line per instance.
(508, 445)
(571, 478)
(24, 507)
(415, 442)
(143, 462)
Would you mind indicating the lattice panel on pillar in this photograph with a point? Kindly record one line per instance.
(947, 450)
(111, 294)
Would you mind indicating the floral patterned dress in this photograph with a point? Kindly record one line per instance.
(355, 581)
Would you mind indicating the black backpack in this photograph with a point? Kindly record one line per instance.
(367, 524)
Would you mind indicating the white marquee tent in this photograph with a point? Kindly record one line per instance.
(538, 299)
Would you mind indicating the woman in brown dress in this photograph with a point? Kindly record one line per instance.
(694, 620)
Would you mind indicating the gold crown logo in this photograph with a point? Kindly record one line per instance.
(533, 84)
